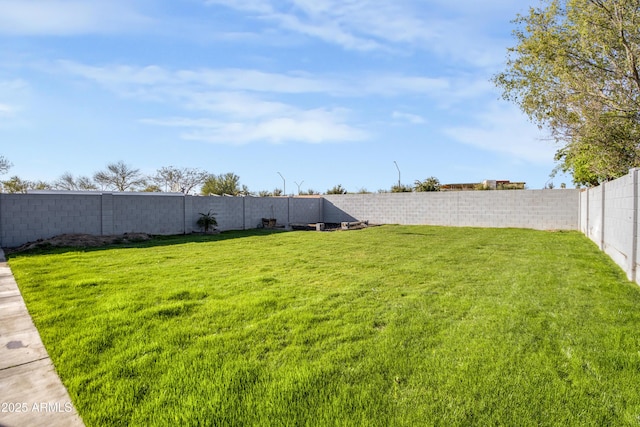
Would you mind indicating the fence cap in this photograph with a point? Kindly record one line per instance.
(100, 192)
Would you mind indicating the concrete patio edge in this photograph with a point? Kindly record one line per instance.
(31, 393)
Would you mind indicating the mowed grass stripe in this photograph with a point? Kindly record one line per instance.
(392, 325)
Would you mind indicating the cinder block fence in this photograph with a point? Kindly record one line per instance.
(607, 214)
(29, 217)
(609, 217)
(537, 209)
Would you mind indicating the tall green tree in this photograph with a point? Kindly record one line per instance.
(227, 183)
(575, 71)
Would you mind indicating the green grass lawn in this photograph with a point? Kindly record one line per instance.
(388, 326)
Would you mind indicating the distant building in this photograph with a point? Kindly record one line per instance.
(488, 184)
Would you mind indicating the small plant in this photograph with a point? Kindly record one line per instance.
(401, 188)
(337, 189)
(207, 220)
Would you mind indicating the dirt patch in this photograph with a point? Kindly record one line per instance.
(80, 241)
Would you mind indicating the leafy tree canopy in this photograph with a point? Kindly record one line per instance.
(228, 183)
(430, 184)
(575, 72)
(17, 185)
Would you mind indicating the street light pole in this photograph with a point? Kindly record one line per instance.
(284, 184)
(301, 182)
(398, 174)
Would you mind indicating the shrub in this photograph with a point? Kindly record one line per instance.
(207, 220)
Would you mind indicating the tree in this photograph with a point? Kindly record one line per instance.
(152, 188)
(228, 183)
(68, 182)
(430, 184)
(401, 188)
(575, 71)
(16, 185)
(337, 189)
(5, 165)
(179, 180)
(120, 177)
(39, 185)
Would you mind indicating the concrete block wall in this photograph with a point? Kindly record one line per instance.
(537, 209)
(305, 210)
(591, 224)
(257, 208)
(607, 214)
(238, 213)
(635, 258)
(29, 217)
(618, 219)
(147, 213)
(610, 218)
(227, 210)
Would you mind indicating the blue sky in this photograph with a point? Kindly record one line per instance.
(325, 92)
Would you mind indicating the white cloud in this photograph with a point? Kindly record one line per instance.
(130, 79)
(67, 17)
(238, 105)
(354, 25)
(14, 94)
(10, 115)
(396, 84)
(13, 87)
(253, 105)
(118, 75)
(7, 110)
(255, 80)
(408, 117)
(310, 126)
(444, 27)
(503, 129)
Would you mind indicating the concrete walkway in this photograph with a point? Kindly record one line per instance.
(31, 393)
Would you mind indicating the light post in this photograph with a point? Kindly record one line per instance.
(284, 184)
(398, 174)
(298, 186)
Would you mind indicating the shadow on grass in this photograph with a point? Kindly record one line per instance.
(155, 241)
